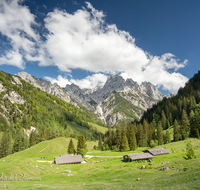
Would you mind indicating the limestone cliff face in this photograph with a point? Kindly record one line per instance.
(105, 99)
(117, 99)
(44, 85)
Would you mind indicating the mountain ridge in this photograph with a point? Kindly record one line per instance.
(97, 99)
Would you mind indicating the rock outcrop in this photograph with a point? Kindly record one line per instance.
(44, 85)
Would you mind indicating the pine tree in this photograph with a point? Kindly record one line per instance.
(184, 129)
(100, 143)
(168, 137)
(118, 138)
(141, 136)
(146, 131)
(81, 143)
(163, 120)
(160, 134)
(176, 131)
(32, 139)
(124, 142)
(19, 142)
(4, 145)
(71, 147)
(132, 143)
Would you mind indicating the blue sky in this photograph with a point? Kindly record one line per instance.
(83, 42)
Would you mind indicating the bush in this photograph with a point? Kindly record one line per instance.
(95, 147)
(152, 144)
(83, 152)
(189, 152)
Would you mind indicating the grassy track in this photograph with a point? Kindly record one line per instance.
(102, 172)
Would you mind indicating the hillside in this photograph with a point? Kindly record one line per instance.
(24, 106)
(184, 108)
(106, 170)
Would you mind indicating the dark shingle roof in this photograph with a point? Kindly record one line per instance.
(68, 159)
(157, 151)
(139, 156)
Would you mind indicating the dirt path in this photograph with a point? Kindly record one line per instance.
(89, 156)
(44, 148)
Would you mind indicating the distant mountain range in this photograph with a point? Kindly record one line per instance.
(116, 100)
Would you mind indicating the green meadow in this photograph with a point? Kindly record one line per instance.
(103, 170)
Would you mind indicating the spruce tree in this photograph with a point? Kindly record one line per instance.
(176, 131)
(118, 138)
(4, 145)
(100, 143)
(71, 147)
(160, 134)
(124, 142)
(184, 129)
(81, 143)
(132, 143)
(168, 137)
(146, 131)
(32, 139)
(163, 120)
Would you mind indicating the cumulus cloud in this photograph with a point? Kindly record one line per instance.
(83, 40)
(90, 81)
(16, 24)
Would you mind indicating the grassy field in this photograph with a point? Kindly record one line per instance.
(83, 130)
(106, 170)
(99, 128)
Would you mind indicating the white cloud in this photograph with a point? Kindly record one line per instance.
(83, 40)
(157, 73)
(16, 24)
(88, 82)
(61, 81)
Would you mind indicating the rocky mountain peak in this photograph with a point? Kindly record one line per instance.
(151, 90)
(115, 82)
(131, 84)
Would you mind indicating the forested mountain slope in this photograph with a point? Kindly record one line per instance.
(24, 106)
(183, 108)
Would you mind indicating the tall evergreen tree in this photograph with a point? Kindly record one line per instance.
(176, 131)
(132, 143)
(19, 142)
(32, 139)
(184, 129)
(146, 131)
(71, 147)
(118, 138)
(160, 134)
(4, 151)
(81, 143)
(195, 125)
(168, 137)
(141, 135)
(163, 120)
(100, 143)
(124, 142)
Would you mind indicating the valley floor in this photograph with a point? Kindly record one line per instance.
(103, 170)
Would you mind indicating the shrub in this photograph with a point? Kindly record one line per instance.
(189, 152)
(83, 152)
(152, 144)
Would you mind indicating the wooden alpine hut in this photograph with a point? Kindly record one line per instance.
(68, 159)
(157, 151)
(138, 156)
